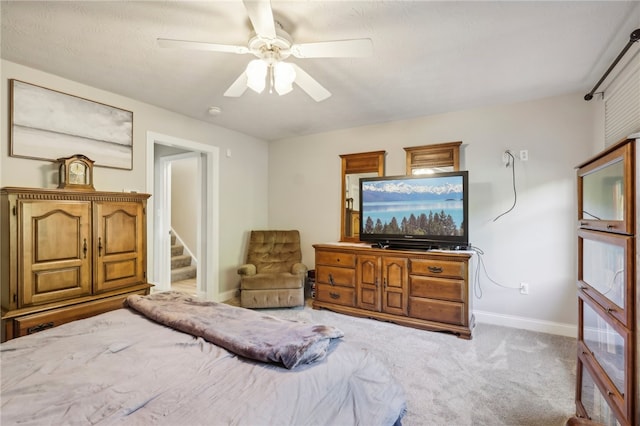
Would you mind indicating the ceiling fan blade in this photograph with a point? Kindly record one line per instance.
(238, 87)
(201, 45)
(310, 85)
(261, 17)
(356, 48)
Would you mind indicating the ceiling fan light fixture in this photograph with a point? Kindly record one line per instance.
(284, 76)
(256, 75)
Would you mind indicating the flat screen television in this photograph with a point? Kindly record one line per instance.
(416, 212)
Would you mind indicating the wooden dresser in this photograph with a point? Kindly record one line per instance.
(426, 290)
(68, 255)
(608, 368)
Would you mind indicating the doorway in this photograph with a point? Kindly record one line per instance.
(161, 150)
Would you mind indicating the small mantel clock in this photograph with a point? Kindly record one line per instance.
(75, 172)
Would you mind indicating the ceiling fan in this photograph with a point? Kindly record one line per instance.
(272, 45)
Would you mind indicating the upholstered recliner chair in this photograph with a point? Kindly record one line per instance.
(274, 275)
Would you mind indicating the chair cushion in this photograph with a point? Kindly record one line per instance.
(274, 251)
(271, 281)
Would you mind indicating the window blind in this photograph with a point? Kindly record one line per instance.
(622, 104)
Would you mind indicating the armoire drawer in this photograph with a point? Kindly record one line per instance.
(438, 268)
(33, 323)
(338, 295)
(344, 277)
(332, 258)
(437, 288)
(437, 310)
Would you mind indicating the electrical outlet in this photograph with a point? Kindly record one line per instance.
(524, 155)
(524, 288)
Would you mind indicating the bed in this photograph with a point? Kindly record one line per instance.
(122, 367)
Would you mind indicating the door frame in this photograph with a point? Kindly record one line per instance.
(207, 250)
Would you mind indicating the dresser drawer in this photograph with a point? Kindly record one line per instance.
(437, 288)
(437, 310)
(344, 277)
(338, 295)
(438, 268)
(331, 258)
(29, 324)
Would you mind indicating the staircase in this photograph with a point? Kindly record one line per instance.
(181, 267)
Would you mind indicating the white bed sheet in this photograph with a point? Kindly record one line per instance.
(121, 368)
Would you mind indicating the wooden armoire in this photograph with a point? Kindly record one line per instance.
(68, 255)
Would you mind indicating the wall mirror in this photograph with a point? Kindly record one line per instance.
(354, 168)
(436, 158)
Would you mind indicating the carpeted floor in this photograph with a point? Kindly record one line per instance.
(503, 376)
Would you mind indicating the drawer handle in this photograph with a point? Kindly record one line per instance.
(334, 295)
(39, 327)
(331, 280)
(435, 269)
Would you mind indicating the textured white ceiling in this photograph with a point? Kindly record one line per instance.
(429, 57)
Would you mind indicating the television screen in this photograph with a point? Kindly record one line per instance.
(426, 211)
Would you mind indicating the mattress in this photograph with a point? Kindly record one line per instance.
(122, 368)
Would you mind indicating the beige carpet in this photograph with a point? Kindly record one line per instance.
(504, 376)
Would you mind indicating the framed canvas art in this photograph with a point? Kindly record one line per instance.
(47, 125)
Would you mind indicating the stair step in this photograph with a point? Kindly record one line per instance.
(183, 273)
(177, 250)
(173, 239)
(180, 261)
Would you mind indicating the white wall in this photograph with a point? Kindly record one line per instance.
(184, 199)
(243, 176)
(535, 243)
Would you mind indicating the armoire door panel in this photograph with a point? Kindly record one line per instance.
(118, 245)
(120, 230)
(120, 269)
(55, 280)
(56, 258)
(395, 280)
(369, 282)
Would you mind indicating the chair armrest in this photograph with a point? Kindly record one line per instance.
(298, 269)
(247, 269)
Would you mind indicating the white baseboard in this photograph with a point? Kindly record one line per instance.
(532, 324)
(230, 294)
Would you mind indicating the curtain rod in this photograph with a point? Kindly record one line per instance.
(634, 37)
